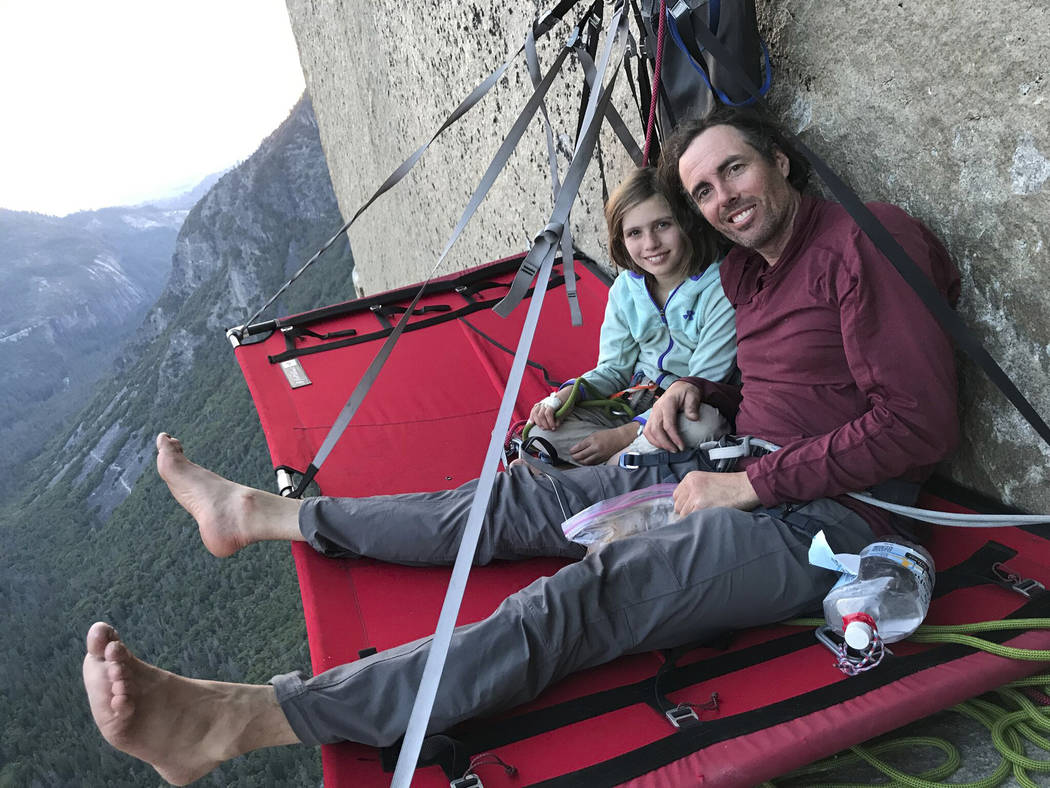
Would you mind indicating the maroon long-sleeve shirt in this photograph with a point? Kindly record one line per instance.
(841, 364)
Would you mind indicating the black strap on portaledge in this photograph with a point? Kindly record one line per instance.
(884, 241)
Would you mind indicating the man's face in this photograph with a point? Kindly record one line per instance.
(742, 195)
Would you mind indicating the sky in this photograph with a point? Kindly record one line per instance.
(115, 102)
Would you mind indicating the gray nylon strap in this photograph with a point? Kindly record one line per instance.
(497, 164)
(616, 122)
(567, 256)
(574, 176)
(439, 645)
(539, 29)
(424, 702)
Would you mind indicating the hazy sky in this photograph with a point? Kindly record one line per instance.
(112, 102)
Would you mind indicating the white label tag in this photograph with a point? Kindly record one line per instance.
(295, 373)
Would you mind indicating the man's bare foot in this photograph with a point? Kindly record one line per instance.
(229, 515)
(182, 727)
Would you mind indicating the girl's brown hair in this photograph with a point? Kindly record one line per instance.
(702, 245)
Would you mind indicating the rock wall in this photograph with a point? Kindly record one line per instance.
(938, 107)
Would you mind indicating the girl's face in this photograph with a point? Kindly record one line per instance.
(654, 240)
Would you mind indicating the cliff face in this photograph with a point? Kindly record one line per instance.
(937, 107)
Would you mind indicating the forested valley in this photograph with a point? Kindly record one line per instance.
(77, 546)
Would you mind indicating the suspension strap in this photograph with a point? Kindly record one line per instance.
(489, 177)
(439, 645)
(614, 119)
(438, 652)
(568, 263)
(540, 28)
(574, 176)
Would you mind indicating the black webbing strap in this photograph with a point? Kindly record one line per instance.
(884, 241)
(494, 733)
(443, 317)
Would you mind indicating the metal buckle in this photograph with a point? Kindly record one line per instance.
(681, 714)
(1022, 585)
(824, 635)
(466, 781)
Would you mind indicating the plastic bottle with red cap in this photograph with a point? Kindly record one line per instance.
(888, 597)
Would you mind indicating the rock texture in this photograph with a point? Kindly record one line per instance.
(939, 107)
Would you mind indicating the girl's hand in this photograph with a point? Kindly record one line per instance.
(542, 414)
(599, 446)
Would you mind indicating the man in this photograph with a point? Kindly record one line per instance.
(841, 366)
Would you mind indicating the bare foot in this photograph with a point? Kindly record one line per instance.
(229, 515)
(182, 727)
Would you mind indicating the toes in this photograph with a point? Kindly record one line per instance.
(116, 652)
(99, 637)
(115, 671)
(166, 441)
(121, 704)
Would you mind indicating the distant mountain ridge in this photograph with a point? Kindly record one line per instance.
(97, 535)
(72, 289)
(186, 199)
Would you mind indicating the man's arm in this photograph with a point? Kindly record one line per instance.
(698, 489)
(685, 396)
(902, 362)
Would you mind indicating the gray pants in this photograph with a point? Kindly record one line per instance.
(711, 572)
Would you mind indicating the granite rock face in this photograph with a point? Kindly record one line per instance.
(938, 107)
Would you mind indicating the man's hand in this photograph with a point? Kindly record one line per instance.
(599, 446)
(704, 490)
(662, 428)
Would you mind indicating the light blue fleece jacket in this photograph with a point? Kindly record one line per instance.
(694, 334)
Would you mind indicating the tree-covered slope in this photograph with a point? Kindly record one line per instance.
(79, 546)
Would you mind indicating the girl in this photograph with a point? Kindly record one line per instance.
(666, 318)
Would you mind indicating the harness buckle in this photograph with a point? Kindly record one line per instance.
(732, 451)
(682, 714)
(631, 461)
(466, 781)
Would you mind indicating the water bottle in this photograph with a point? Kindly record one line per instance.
(889, 596)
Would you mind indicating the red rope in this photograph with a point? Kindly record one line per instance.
(650, 127)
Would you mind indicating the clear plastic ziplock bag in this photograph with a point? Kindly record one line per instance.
(622, 516)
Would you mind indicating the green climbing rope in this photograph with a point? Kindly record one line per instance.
(959, 633)
(610, 406)
(1009, 728)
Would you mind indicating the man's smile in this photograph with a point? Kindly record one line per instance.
(741, 216)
